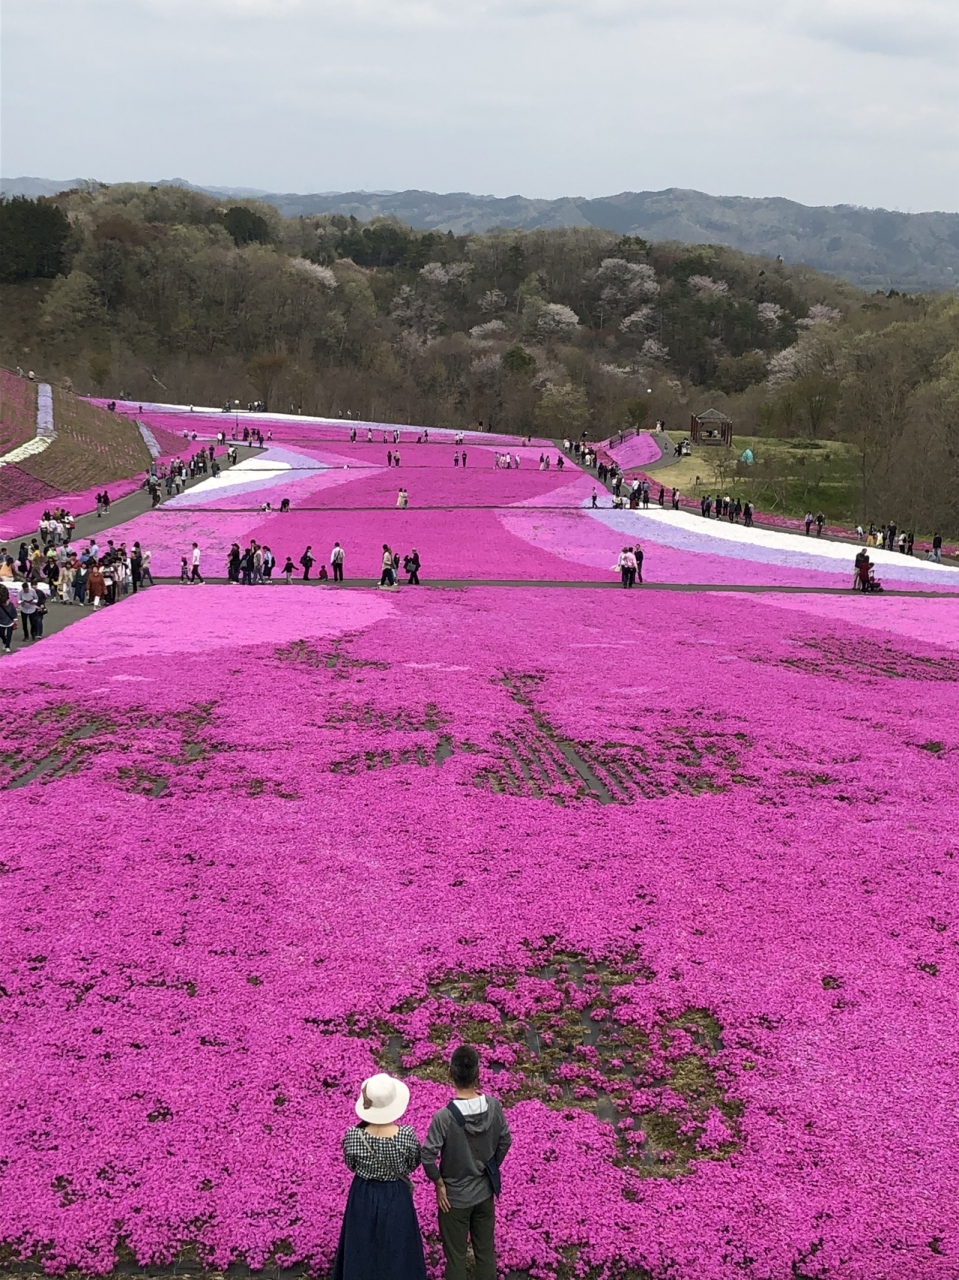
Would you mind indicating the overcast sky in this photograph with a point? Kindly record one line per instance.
(823, 101)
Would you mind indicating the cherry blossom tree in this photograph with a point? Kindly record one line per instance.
(556, 321)
(322, 275)
(491, 329)
(820, 313)
(707, 285)
(770, 313)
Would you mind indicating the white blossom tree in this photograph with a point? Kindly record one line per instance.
(770, 313)
(637, 320)
(820, 313)
(492, 301)
(707, 285)
(322, 275)
(417, 314)
(491, 329)
(556, 321)
(783, 367)
(438, 274)
(654, 351)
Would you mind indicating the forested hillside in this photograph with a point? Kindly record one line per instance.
(165, 293)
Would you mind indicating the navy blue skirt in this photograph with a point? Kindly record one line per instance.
(380, 1238)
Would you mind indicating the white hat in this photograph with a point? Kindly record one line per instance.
(382, 1099)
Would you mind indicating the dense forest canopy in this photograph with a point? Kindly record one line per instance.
(166, 293)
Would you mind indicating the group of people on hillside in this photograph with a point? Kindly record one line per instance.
(256, 565)
(56, 527)
(727, 508)
(630, 565)
(891, 538)
(390, 567)
(462, 1155)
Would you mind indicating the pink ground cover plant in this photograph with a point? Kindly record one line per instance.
(523, 524)
(684, 865)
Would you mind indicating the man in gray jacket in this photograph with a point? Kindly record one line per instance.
(466, 1144)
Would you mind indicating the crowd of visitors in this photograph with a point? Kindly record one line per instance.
(255, 565)
(58, 573)
(727, 508)
(892, 538)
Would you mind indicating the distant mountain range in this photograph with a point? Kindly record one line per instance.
(874, 248)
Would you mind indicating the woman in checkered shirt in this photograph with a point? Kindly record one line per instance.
(380, 1238)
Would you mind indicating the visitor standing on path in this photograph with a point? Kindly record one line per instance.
(195, 574)
(466, 1145)
(337, 556)
(380, 1238)
(412, 566)
(627, 566)
(136, 567)
(386, 576)
(8, 619)
(306, 561)
(807, 521)
(639, 556)
(31, 612)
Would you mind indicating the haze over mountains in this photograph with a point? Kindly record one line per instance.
(873, 248)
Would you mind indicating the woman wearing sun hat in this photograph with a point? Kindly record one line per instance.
(380, 1238)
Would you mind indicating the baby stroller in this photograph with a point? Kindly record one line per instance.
(872, 586)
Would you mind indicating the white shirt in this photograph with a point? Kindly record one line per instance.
(196, 555)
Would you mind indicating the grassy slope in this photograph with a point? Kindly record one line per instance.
(784, 479)
(92, 447)
(18, 410)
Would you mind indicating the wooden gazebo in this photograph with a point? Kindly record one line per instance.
(711, 427)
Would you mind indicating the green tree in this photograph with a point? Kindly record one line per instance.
(818, 397)
(562, 411)
(736, 373)
(245, 226)
(72, 305)
(100, 365)
(637, 411)
(518, 362)
(264, 372)
(33, 239)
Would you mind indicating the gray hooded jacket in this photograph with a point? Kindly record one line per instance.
(459, 1155)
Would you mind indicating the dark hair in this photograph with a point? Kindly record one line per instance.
(464, 1066)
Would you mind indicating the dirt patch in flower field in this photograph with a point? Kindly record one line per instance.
(844, 659)
(143, 750)
(563, 1032)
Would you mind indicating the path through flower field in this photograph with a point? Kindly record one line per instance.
(683, 865)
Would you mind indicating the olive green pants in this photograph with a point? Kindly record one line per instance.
(477, 1223)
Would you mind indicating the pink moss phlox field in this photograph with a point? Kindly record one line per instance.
(255, 830)
(523, 524)
(635, 451)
